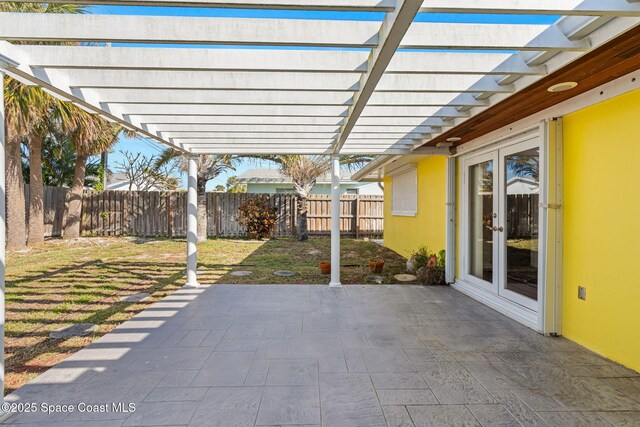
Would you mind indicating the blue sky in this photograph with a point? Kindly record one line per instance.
(149, 147)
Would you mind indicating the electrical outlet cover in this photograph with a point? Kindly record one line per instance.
(582, 292)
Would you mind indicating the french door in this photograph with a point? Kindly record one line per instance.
(501, 222)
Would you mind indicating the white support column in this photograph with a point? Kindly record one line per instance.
(192, 224)
(335, 222)
(3, 231)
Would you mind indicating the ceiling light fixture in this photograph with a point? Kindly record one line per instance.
(454, 139)
(562, 87)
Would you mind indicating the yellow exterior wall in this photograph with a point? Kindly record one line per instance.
(405, 234)
(602, 228)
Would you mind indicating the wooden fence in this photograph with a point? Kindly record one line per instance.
(54, 203)
(522, 215)
(142, 213)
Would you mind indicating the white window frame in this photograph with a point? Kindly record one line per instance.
(410, 173)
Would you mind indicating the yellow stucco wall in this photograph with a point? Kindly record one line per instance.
(406, 234)
(602, 228)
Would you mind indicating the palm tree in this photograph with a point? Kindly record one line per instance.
(20, 118)
(304, 171)
(29, 107)
(51, 114)
(209, 167)
(92, 136)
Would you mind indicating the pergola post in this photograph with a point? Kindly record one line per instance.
(335, 222)
(3, 231)
(192, 223)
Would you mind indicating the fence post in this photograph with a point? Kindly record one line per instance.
(357, 217)
(294, 216)
(125, 214)
(169, 215)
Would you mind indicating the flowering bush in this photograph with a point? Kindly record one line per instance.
(258, 216)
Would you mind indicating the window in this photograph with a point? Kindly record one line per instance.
(404, 191)
(352, 191)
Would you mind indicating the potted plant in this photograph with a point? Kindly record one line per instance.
(325, 267)
(376, 265)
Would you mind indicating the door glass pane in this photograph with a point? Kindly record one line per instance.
(481, 220)
(522, 198)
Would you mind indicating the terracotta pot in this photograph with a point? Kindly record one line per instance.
(376, 266)
(325, 267)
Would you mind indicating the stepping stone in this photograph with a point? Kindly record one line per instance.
(284, 273)
(241, 273)
(405, 277)
(143, 296)
(375, 279)
(77, 330)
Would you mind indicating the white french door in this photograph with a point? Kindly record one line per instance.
(501, 221)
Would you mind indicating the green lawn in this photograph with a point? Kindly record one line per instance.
(61, 283)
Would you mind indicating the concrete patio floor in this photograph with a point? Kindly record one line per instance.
(231, 355)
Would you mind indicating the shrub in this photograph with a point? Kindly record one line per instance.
(258, 216)
(428, 266)
(418, 259)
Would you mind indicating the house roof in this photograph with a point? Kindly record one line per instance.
(274, 176)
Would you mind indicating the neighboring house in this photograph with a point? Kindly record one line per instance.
(522, 185)
(119, 182)
(564, 262)
(264, 180)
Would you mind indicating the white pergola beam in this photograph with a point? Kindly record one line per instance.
(280, 32)
(283, 110)
(195, 136)
(187, 129)
(219, 80)
(185, 59)
(187, 30)
(301, 151)
(521, 7)
(223, 97)
(453, 62)
(285, 81)
(441, 83)
(233, 110)
(411, 111)
(243, 120)
(136, 58)
(489, 36)
(266, 97)
(263, 129)
(537, 7)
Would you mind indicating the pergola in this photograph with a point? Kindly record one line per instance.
(300, 86)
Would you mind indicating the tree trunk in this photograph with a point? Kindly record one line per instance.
(16, 227)
(303, 208)
(202, 209)
(35, 233)
(74, 205)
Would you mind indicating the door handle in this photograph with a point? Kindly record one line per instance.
(494, 228)
(500, 229)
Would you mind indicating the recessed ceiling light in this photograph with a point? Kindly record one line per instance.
(454, 139)
(562, 87)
